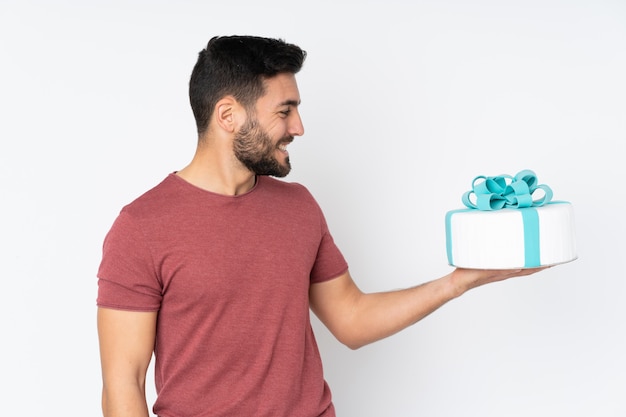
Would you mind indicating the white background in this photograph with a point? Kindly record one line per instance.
(404, 103)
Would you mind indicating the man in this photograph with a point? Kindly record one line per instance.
(216, 268)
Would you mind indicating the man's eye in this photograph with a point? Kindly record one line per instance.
(285, 112)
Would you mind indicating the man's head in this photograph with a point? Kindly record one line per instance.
(238, 66)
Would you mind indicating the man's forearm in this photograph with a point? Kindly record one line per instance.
(379, 315)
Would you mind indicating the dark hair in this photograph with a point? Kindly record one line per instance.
(237, 66)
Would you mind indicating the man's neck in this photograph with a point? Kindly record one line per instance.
(218, 176)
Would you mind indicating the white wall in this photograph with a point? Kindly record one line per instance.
(404, 103)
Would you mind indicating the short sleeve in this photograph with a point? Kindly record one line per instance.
(329, 262)
(127, 277)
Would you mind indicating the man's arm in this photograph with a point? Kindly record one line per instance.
(357, 319)
(126, 346)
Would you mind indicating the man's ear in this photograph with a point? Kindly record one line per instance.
(229, 114)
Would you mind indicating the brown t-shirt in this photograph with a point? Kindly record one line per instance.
(229, 276)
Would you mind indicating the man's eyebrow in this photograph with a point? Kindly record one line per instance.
(290, 103)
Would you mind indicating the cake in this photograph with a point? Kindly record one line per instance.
(510, 222)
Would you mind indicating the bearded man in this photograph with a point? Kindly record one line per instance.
(216, 269)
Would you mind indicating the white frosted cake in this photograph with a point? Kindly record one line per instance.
(504, 228)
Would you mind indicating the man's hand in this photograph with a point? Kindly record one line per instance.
(465, 279)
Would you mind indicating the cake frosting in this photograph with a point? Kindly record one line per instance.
(510, 222)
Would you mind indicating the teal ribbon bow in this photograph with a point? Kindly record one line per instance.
(505, 191)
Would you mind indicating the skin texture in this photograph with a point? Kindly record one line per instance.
(357, 319)
(126, 343)
(235, 145)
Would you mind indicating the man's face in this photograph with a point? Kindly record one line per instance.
(261, 143)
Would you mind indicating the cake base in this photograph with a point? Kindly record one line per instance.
(511, 238)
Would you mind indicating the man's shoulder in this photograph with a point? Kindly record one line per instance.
(155, 198)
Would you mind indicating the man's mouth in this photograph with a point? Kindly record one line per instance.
(283, 146)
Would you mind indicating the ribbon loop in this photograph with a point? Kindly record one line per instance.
(505, 191)
(495, 185)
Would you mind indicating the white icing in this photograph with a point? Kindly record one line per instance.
(495, 239)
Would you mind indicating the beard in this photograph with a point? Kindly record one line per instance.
(254, 148)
